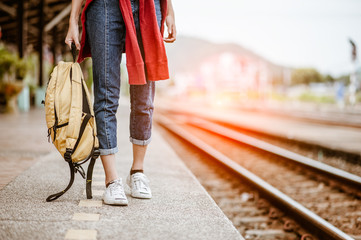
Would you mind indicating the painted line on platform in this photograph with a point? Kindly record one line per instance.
(90, 203)
(81, 234)
(86, 216)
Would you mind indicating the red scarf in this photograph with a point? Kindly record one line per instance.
(156, 63)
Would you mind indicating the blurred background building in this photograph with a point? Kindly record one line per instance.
(292, 54)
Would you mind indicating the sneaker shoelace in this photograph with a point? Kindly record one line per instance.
(116, 189)
(140, 182)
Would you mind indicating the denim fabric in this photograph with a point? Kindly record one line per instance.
(105, 30)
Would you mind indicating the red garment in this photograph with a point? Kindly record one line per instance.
(154, 51)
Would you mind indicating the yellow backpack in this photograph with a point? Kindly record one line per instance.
(70, 121)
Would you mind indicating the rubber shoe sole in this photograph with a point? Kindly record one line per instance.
(120, 202)
(141, 195)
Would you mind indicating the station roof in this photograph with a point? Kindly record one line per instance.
(29, 17)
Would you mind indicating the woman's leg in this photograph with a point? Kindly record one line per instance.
(138, 156)
(142, 98)
(105, 33)
(109, 166)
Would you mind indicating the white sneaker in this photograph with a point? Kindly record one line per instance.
(139, 185)
(114, 193)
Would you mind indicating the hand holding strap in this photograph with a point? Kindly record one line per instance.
(74, 51)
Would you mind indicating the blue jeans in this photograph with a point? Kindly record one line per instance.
(106, 35)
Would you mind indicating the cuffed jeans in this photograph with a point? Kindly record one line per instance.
(106, 35)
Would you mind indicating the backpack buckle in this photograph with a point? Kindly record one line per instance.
(67, 155)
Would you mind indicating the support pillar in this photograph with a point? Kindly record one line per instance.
(20, 27)
(40, 40)
(40, 91)
(54, 46)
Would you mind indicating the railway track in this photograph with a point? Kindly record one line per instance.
(350, 119)
(253, 125)
(323, 200)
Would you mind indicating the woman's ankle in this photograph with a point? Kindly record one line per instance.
(132, 171)
(109, 180)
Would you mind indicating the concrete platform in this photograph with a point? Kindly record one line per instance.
(341, 138)
(23, 140)
(180, 207)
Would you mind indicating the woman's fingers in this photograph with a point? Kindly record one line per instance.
(169, 39)
(68, 42)
(73, 36)
(77, 44)
(172, 33)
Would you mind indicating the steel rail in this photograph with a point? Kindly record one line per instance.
(310, 220)
(338, 174)
(216, 117)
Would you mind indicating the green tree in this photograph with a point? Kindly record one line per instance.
(305, 76)
(344, 78)
(328, 78)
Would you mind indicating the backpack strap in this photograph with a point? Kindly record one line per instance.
(73, 170)
(89, 174)
(81, 131)
(73, 51)
(59, 194)
(75, 115)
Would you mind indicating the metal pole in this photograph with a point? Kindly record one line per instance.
(353, 78)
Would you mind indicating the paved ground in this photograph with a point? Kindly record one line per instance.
(23, 140)
(180, 207)
(341, 138)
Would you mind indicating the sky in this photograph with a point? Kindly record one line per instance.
(294, 33)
